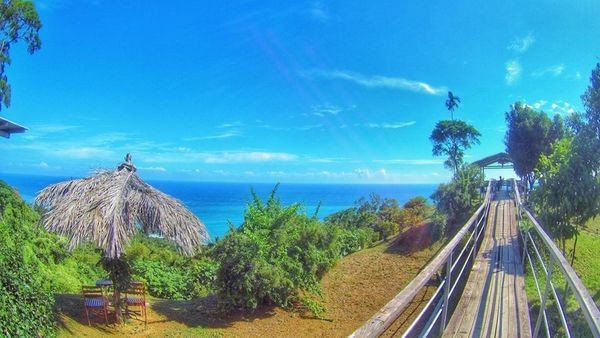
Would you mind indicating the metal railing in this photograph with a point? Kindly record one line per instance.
(546, 269)
(434, 316)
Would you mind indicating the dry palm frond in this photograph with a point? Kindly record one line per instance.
(109, 208)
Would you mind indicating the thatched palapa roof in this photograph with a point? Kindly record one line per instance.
(109, 207)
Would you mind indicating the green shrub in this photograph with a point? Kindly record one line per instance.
(386, 229)
(204, 275)
(164, 281)
(26, 300)
(356, 239)
(456, 199)
(439, 223)
(276, 253)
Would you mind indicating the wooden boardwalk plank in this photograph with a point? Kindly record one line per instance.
(494, 303)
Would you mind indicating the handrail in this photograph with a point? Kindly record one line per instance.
(585, 300)
(377, 324)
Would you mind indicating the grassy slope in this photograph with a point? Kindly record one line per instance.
(358, 286)
(587, 266)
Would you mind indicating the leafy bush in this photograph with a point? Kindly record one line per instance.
(386, 229)
(167, 273)
(439, 223)
(382, 215)
(164, 281)
(456, 199)
(416, 210)
(353, 240)
(25, 295)
(276, 253)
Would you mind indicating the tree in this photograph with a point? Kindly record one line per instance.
(452, 138)
(569, 191)
(591, 100)
(452, 103)
(18, 21)
(454, 200)
(527, 138)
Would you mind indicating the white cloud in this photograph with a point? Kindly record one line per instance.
(310, 127)
(513, 72)
(378, 81)
(539, 104)
(318, 12)
(554, 71)
(43, 164)
(562, 108)
(244, 157)
(223, 135)
(325, 109)
(396, 125)
(51, 128)
(160, 169)
(229, 130)
(521, 44)
(411, 161)
(83, 153)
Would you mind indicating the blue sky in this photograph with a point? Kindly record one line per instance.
(289, 91)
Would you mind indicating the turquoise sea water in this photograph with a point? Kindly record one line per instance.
(217, 203)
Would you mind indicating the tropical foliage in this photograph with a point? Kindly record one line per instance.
(19, 20)
(569, 187)
(452, 138)
(277, 252)
(25, 294)
(455, 200)
(530, 134)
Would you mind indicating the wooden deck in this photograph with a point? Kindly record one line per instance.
(494, 303)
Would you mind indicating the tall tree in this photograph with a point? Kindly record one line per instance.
(591, 100)
(452, 138)
(569, 192)
(526, 139)
(19, 20)
(452, 103)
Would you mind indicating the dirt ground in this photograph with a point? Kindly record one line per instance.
(355, 289)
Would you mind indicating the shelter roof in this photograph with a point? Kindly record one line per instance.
(500, 158)
(8, 127)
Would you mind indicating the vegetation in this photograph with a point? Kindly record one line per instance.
(108, 208)
(567, 201)
(529, 135)
(25, 294)
(452, 103)
(378, 218)
(19, 20)
(453, 137)
(455, 200)
(569, 192)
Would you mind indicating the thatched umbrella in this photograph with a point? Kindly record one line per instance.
(110, 207)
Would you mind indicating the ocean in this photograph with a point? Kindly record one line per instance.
(217, 204)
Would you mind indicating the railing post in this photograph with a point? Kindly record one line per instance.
(544, 298)
(525, 234)
(447, 288)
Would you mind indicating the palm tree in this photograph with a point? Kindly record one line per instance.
(109, 208)
(452, 103)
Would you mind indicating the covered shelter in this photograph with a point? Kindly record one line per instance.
(497, 161)
(8, 127)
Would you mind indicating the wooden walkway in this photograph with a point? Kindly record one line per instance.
(494, 303)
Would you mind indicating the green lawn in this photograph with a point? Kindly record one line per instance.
(586, 265)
